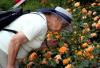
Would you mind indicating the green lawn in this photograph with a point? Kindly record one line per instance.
(34, 4)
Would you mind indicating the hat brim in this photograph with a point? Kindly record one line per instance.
(66, 18)
(51, 10)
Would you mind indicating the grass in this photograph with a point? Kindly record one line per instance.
(33, 4)
(6, 4)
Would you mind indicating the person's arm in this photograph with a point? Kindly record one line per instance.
(14, 46)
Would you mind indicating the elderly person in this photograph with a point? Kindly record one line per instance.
(31, 31)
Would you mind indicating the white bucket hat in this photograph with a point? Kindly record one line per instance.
(63, 13)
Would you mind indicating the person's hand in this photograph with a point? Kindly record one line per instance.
(9, 66)
(52, 43)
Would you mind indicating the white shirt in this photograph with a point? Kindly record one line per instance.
(33, 25)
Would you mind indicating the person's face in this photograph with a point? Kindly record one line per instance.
(56, 23)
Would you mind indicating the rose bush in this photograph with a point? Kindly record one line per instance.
(77, 49)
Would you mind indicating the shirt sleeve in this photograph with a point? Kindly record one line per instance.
(34, 25)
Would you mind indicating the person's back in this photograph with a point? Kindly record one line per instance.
(33, 25)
